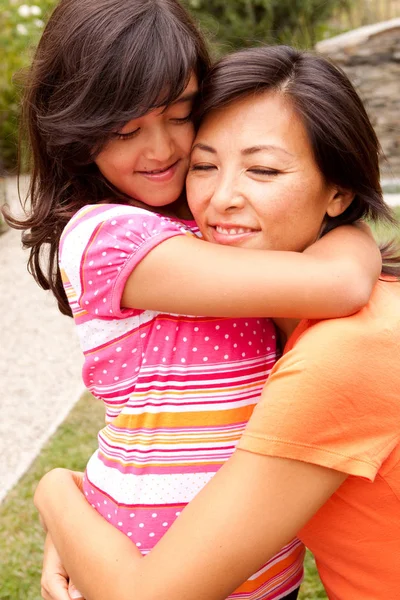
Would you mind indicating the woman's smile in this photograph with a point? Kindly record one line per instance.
(230, 234)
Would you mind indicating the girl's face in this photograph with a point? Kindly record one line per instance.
(148, 158)
(253, 181)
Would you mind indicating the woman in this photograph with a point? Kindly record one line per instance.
(285, 152)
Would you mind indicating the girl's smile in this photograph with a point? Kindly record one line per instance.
(162, 175)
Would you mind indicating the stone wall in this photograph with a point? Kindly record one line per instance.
(371, 58)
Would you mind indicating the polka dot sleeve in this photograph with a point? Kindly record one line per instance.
(119, 240)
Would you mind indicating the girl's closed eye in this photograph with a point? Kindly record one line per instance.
(182, 120)
(127, 135)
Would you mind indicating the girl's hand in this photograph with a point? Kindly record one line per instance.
(55, 584)
(73, 592)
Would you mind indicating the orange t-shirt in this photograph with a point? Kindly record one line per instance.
(334, 400)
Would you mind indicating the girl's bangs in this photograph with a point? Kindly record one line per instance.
(140, 88)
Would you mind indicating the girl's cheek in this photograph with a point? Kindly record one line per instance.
(188, 137)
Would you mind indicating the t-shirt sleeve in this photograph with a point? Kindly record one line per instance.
(103, 245)
(330, 401)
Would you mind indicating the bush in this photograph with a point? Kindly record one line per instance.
(240, 23)
(20, 27)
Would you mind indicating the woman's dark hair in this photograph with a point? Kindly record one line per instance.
(343, 140)
(99, 64)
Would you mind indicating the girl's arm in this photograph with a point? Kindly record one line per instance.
(211, 548)
(334, 277)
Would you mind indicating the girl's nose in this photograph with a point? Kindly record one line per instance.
(160, 146)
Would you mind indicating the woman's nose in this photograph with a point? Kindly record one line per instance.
(227, 196)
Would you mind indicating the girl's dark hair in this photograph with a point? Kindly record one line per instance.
(99, 64)
(343, 140)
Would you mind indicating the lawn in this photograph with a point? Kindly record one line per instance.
(21, 537)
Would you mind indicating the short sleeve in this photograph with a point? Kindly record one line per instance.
(331, 400)
(102, 247)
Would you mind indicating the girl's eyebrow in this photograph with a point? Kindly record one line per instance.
(186, 97)
(189, 97)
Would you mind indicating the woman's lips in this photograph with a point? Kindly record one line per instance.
(231, 234)
(161, 175)
(232, 230)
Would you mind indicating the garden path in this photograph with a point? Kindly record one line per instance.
(40, 360)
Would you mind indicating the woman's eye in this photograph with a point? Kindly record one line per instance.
(202, 167)
(127, 136)
(263, 171)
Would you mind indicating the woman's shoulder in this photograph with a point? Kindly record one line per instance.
(370, 335)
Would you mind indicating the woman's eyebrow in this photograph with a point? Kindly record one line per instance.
(204, 147)
(267, 147)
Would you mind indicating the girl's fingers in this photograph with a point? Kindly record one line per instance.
(73, 592)
(55, 590)
(54, 577)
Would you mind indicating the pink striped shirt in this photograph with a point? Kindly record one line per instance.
(178, 389)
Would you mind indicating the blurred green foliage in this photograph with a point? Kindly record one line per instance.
(242, 23)
(230, 23)
(20, 27)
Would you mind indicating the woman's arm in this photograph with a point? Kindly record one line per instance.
(250, 509)
(184, 275)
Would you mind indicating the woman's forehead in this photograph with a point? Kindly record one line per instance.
(267, 119)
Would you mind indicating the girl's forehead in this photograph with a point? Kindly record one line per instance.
(190, 91)
(170, 97)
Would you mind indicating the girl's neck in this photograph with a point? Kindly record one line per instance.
(178, 209)
(285, 328)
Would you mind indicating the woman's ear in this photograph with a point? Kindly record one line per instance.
(339, 202)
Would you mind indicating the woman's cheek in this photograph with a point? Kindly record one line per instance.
(198, 191)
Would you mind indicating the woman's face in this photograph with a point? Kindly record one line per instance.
(149, 157)
(253, 181)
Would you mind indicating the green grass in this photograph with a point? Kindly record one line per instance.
(21, 537)
(311, 588)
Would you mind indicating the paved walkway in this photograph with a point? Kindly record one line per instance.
(40, 361)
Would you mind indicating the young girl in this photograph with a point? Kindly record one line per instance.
(106, 124)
